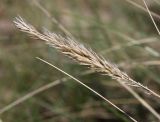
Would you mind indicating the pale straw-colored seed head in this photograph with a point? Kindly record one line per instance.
(81, 54)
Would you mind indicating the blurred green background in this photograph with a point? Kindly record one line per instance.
(117, 29)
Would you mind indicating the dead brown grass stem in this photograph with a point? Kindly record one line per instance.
(150, 14)
(92, 90)
(142, 8)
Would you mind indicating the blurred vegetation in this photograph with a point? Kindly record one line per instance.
(102, 25)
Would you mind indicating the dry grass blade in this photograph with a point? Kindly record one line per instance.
(37, 91)
(150, 14)
(52, 84)
(87, 57)
(98, 94)
(142, 8)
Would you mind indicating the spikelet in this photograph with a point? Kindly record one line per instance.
(81, 54)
